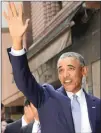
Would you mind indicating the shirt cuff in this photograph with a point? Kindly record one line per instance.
(17, 52)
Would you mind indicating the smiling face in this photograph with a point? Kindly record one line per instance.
(70, 73)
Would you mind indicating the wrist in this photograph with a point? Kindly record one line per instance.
(17, 43)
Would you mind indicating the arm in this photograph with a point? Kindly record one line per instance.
(22, 75)
(25, 80)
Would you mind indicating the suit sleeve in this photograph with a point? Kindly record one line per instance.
(25, 81)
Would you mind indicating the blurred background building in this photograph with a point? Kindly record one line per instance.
(55, 27)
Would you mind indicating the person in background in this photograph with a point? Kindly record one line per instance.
(34, 127)
(9, 121)
(27, 117)
(3, 121)
(2, 112)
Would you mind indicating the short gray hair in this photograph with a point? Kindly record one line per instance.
(75, 55)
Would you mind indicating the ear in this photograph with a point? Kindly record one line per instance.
(85, 71)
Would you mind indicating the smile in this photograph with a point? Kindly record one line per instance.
(68, 81)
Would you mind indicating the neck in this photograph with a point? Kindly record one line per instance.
(75, 90)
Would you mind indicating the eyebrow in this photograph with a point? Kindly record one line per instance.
(71, 66)
(59, 67)
(67, 65)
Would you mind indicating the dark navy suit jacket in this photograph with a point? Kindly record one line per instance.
(27, 129)
(14, 127)
(53, 105)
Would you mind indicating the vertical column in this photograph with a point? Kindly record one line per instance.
(28, 40)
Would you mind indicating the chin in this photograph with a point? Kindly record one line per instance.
(70, 88)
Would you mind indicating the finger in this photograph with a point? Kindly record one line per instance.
(13, 8)
(32, 106)
(5, 16)
(29, 109)
(26, 23)
(10, 14)
(20, 10)
(25, 110)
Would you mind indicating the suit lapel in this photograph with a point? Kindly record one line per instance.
(66, 103)
(91, 110)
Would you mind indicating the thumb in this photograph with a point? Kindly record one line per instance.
(26, 23)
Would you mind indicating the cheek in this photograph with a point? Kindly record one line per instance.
(60, 78)
(77, 76)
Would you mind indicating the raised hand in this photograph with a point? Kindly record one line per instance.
(16, 26)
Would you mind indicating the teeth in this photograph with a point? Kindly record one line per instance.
(67, 81)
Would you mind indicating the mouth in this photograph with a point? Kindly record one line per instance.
(67, 81)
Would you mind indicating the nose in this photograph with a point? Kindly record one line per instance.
(66, 74)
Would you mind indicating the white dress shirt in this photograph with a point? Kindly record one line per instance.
(36, 127)
(24, 123)
(85, 124)
(17, 52)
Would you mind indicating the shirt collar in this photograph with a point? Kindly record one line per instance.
(24, 123)
(79, 93)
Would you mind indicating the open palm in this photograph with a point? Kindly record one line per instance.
(15, 22)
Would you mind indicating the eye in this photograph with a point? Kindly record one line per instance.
(60, 70)
(71, 68)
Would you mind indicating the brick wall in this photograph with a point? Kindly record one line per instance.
(66, 3)
(41, 14)
(37, 16)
